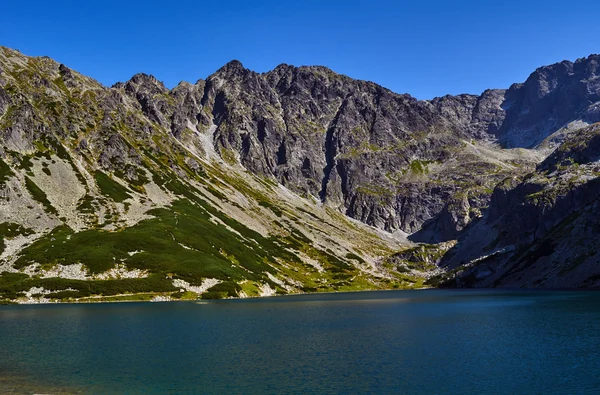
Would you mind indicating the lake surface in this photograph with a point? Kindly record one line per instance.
(430, 341)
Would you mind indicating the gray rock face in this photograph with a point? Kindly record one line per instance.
(581, 148)
(551, 97)
(480, 116)
(351, 144)
(152, 97)
(4, 101)
(541, 229)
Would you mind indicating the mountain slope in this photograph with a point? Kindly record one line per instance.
(98, 198)
(294, 180)
(541, 229)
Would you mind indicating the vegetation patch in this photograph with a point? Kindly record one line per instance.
(420, 166)
(223, 290)
(308, 213)
(12, 285)
(5, 171)
(351, 255)
(228, 156)
(39, 195)
(111, 188)
(274, 209)
(375, 191)
(182, 241)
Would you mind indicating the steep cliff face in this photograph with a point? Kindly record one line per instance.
(370, 152)
(540, 229)
(388, 160)
(287, 161)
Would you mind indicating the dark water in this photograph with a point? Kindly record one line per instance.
(432, 342)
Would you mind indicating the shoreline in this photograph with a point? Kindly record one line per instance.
(58, 302)
(14, 303)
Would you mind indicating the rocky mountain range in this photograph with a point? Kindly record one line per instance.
(294, 180)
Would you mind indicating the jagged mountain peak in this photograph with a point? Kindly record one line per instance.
(142, 81)
(143, 78)
(233, 67)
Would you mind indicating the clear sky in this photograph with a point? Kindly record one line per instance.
(426, 48)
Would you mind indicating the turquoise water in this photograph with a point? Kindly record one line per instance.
(431, 341)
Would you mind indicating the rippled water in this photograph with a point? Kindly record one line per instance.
(433, 342)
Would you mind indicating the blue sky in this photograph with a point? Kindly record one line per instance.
(426, 48)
